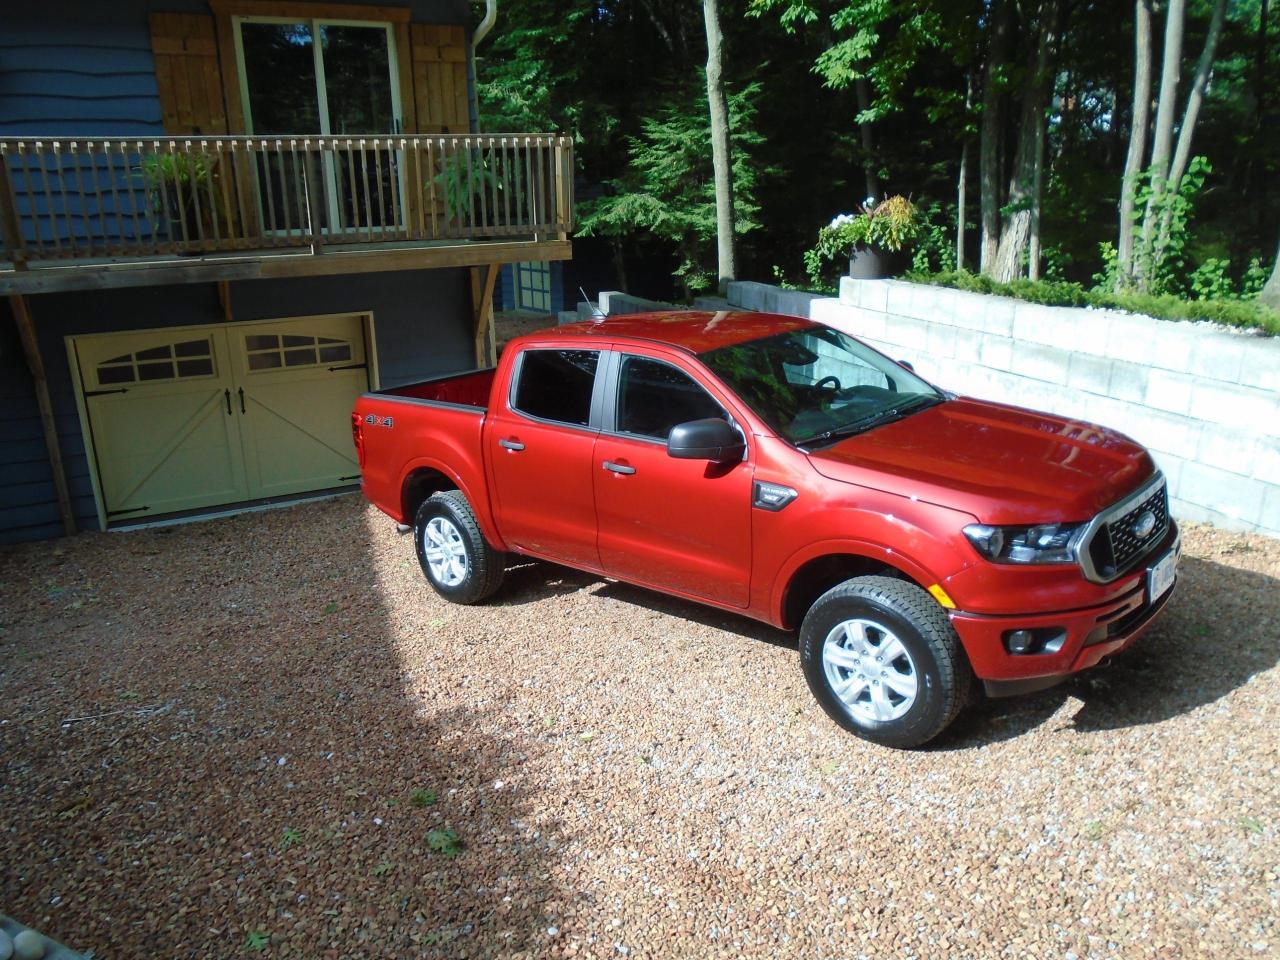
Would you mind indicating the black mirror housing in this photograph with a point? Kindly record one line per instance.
(711, 439)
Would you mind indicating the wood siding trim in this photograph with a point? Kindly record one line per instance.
(440, 78)
(188, 77)
(307, 11)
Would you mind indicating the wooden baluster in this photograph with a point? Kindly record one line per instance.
(271, 237)
(431, 188)
(50, 208)
(396, 159)
(115, 196)
(305, 226)
(377, 173)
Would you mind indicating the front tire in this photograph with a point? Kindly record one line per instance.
(455, 557)
(884, 662)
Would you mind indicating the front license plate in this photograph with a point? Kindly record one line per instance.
(1160, 577)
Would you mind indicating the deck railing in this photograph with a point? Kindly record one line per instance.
(67, 199)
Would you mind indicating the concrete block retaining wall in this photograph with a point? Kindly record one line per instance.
(1204, 400)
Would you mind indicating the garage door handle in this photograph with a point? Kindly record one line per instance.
(227, 392)
(619, 468)
(511, 444)
(241, 392)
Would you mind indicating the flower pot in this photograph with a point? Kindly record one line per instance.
(872, 263)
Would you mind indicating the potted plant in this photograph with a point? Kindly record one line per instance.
(876, 239)
(183, 187)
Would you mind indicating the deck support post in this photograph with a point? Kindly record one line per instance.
(482, 283)
(224, 300)
(35, 364)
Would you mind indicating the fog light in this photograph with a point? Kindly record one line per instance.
(1020, 641)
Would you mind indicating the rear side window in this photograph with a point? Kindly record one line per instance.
(654, 396)
(557, 384)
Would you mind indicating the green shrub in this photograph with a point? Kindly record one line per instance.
(1249, 314)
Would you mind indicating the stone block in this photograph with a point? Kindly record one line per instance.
(1269, 517)
(1089, 373)
(1167, 391)
(1165, 432)
(898, 298)
(1233, 496)
(907, 332)
(1171, 467)
(1236, 406)
(1128, 381)
(1266, 465)
(1260, 363)
(968, 345)
(996, 352)
(1153, 343)
(1040, 362)
(1218, 356)
(941, 341)
(1235, 451)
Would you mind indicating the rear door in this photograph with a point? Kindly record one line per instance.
(540, 440)
(681, 525)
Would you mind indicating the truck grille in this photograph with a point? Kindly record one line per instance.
(1116, 546)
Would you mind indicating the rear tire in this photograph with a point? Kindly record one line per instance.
(452, 551)
(884, 662)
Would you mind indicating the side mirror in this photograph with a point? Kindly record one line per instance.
(711, 439)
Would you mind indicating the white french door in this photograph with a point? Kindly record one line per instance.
(333, 78)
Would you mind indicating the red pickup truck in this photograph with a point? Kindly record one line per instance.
(781, 469)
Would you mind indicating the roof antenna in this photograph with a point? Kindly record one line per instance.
(596, 312)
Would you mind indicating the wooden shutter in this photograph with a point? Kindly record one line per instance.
(187, 73)
(440, 78)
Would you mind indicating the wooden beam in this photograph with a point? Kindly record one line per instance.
(305, 10)
(482, 283)
(224, 298)
(35, 364)
(108, 275)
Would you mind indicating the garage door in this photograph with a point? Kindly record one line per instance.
(203, 416)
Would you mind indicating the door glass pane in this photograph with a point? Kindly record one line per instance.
(357, 80)
(357, 76)
(280, 72)
(653, 397)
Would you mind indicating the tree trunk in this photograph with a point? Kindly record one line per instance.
(1182, 155)
(863, 90)
(721, 156)
(1137, 138)
(1016, 231)
(1271, 292)
(1162, 140)
(989, 172)
(1037, 197)
(961, 198)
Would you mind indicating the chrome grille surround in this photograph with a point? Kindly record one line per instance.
(1110, 536)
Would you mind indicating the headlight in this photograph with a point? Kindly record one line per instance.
(1044, 543)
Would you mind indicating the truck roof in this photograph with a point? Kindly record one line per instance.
(696, 331)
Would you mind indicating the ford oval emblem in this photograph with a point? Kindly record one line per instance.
(1145, 525)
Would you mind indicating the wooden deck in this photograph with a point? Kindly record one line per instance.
(110, 212)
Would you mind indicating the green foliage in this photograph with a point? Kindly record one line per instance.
(422, 798)
(257, 940)
(1248, 314)
(668, 190)
(383, 868)
(444, 842)
(1162, 235)
(289, 838)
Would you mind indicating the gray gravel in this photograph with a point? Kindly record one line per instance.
(256, 700)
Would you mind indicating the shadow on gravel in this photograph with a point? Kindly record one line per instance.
(1194, 655)
(251, 736)
(529, 581)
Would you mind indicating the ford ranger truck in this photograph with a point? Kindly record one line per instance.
(923, 544)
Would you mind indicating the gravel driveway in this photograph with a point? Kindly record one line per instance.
(252, 736)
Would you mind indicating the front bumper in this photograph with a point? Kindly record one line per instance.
(1092, 635)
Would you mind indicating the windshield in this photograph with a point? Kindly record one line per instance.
(816, 385)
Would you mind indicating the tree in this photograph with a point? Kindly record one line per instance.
(1168, 164)
(668, 190)
(721, 148)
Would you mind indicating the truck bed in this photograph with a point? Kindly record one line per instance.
(462, 389)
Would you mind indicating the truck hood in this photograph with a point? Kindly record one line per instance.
(1002, 464)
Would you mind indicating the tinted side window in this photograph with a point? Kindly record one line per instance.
(556, 385)
(653, 397)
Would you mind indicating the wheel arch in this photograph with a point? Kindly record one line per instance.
(424, 477)
(809, 575)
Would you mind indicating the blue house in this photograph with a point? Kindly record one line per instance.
(220, 221)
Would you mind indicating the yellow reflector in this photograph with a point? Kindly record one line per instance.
(940, 595)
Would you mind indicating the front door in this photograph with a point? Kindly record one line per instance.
(539, 442)
(681, 525)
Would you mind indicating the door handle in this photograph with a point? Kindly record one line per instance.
(619, 468)
(227, 394)
(241, 392)
(511, 444)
